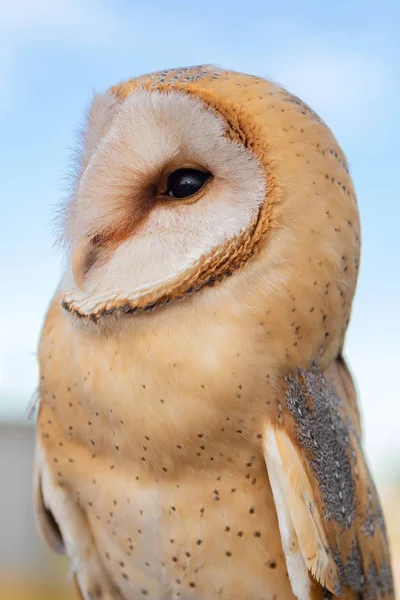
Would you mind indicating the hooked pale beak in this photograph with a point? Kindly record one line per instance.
(78, 263)
(85, 255)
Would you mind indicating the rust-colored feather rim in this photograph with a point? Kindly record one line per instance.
(232, 255)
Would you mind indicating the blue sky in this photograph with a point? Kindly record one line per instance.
(342, 58)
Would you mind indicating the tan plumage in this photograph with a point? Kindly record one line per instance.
(209, 448)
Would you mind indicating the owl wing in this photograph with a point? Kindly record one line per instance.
(45, 521)
(329, 513)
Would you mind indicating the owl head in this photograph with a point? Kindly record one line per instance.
(201, 178)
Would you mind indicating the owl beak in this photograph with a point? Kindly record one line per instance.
(78, 265)
(85, 255)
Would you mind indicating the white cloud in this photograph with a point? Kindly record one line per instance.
(82, 19)
(348, 90)
(23, 22)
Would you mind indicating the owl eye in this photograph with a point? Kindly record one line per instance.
(186, 182)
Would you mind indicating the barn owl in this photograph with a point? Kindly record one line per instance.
(198, 434)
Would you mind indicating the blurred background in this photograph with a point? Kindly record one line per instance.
(342, 58)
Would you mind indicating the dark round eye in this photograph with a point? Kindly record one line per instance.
(186, 182)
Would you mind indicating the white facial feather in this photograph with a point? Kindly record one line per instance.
(102, 111)
(145, 133)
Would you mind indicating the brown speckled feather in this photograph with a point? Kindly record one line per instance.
(330, 495)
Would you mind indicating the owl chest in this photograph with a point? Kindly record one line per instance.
(167, 465)
(177, 535)
(187, 531)
(160, 419)
(159, 400)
